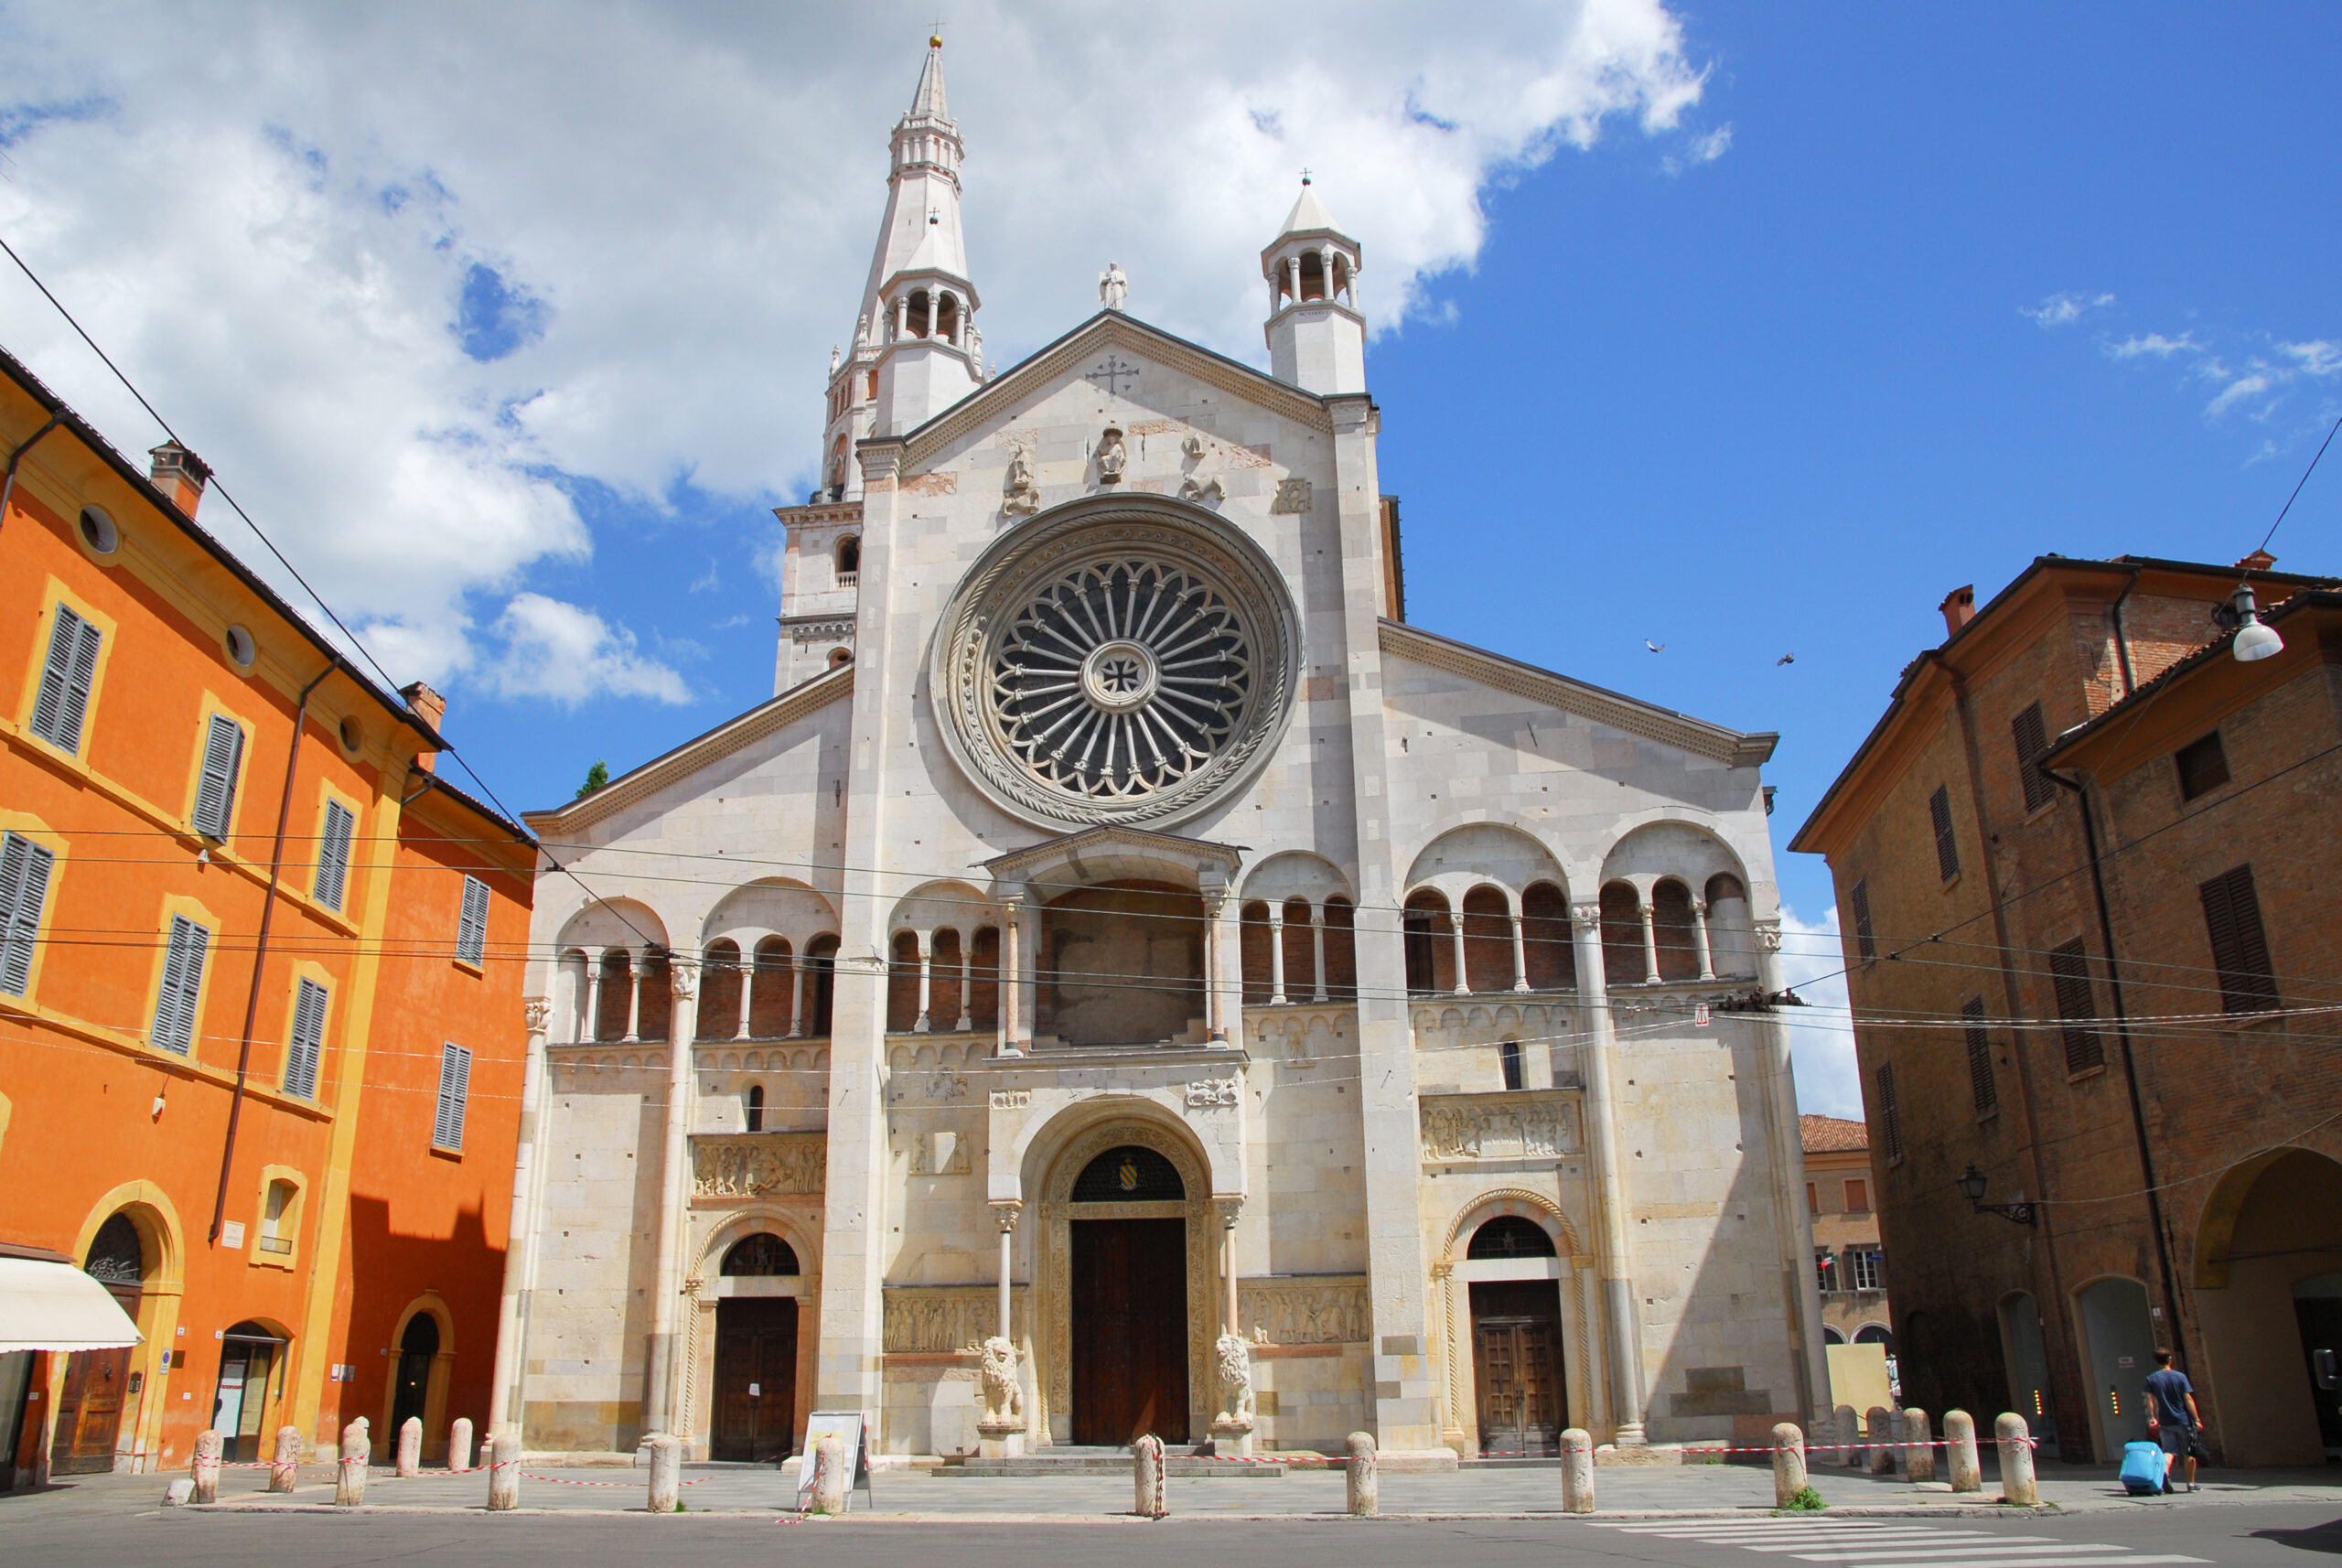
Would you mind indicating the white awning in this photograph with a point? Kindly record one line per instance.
(56, 1306)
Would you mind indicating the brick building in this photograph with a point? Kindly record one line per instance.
(2076, 865)
(261, 1028)
(1848, 1261)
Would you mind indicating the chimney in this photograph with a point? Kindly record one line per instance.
(180, 475)
(430, 707)
(1958, 608)
(2259, 561)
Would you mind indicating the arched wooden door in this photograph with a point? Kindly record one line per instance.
(97, 1382)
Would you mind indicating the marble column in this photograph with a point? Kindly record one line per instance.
(1519, 955)
(1277, 955)
(1455, 930)
(1699, 929)
(795, 996)
(1650, 945)
(634, 965)
(747, 992)
(1621, 1324)
(658, 1388)
(1215, 898)
(589, 1027)
(1011, 969)
(926, 941)
(966, 1021)
(504, 1391)
(1317, 948)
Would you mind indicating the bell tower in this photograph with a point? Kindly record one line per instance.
(1316, 337)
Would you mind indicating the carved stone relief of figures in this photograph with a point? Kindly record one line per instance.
(1305, 1312)
(1212, 1093)
(1467, 1128)
(1293, 496)
(1209, 494)
(947, 1320)
(1021, 496)
(1111, 456)
(751, 1164)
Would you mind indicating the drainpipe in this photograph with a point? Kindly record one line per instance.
(260, 952)
(2122, 642)
(2178, 1340)
(9, 486)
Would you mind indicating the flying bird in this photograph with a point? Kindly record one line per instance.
(1654, 647)
(1785, 658)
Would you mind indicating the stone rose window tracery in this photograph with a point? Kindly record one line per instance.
(1121, 660)
(1120, 677)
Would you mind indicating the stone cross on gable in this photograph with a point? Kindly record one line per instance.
(1112, 373)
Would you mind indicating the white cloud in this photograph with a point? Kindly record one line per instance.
(1702, 149)
(2320, 358)
(1822, 1037)
(2251, 384)
(2065, 309)
(2156, 345)
(397, 271)
(567, 653)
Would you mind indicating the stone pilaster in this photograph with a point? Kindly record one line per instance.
(504, 1394)
(1621, 1324)
(675, 1184)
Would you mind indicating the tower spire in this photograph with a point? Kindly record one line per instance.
(920, 350)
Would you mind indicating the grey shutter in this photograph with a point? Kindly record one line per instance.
(215, 793)
(455, 1084)
(2239, 945)
(182, 985)
(301, 1056)
(23, 887)
(1982, 1090)
(2032, 736)
(471, 926)
(333, 855)
(1947, 841)
(2070, 977)
(1864, 943)
(63, 701)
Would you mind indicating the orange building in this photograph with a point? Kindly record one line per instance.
(279, 1126)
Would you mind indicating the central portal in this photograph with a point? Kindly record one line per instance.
(1129, 1289)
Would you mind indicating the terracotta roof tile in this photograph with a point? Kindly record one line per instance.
(1832, 1135)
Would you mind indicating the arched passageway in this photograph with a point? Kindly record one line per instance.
(2268, 1300)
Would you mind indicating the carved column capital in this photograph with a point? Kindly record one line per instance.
(537, 1013)
(682, 977)
(1005, 1212)
(1228, 1209)
(1586, 917)
(1768, 935)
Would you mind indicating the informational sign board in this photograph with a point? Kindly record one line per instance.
(849, 1425)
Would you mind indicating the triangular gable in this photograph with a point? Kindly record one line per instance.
(1631, 715)
(733, 734)
(1061, 360)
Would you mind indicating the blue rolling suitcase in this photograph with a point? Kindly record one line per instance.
(2142, 1468)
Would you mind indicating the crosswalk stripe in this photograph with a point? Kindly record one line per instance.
(2099, 1557)
(1777, 1541)
(1967, 1540)
(1904, 1553)
(1753, 1526)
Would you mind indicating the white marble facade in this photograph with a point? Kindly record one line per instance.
(1091, 674)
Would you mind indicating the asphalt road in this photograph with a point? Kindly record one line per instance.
(2171, 1535)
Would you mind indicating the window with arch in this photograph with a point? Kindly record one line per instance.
(1253, 950)
(1312, 275)
(1545, 938)
(1430, 944)
(719, 989)
(1487, 939)
(849, 559)
(1623, 962)
(1509, 1063)
(1672, 931)
(1510, 1236)
(902, 983)
(752, 1113)
(1341, 951)
(762, 1254)
(772, 990)
(1130, 1174)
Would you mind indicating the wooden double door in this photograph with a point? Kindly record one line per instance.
(1130, 1330)
(1517, 1366)
(90, 1413)
(756, 1379)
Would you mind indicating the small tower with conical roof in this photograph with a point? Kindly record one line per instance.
(1316, 337)
(917, 349)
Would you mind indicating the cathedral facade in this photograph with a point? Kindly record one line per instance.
(1129, 979)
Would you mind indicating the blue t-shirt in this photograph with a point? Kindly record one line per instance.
(2169, 1387)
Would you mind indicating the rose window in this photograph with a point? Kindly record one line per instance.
(1120, 678)
(1106, 663)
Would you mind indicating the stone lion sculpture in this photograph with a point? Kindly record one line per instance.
(1235, 1379)
(1003, 1399)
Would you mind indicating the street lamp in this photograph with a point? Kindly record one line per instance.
(2253, 640)
(1971, 1188)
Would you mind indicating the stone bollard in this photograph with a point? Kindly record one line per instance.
(350, 1478)
(1960, 1447)
(2017, 1484)
(1150, 1499)
(1918, 1447)
(1880, 1454)
(206, 1468)
(666, 1474)
(1365, 1488)
(459, 1443)
(830, 1479)
(503, 1472)
(1849, 1437)
(1788, 1464)
(410, 1448)
(1578, 1471)
(285, 1464)
(178, 1494)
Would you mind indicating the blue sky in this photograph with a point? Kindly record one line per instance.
(1745, 331)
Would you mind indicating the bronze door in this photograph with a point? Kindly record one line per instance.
(1130, 1330)
(756, 1379)
(1517, 1366)
(88, 1416)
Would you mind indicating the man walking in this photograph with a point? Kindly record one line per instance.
(2173, 1420)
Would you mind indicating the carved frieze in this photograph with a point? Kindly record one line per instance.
(1212, 1093)
(752, 1163)
(1329, 1311)
(1500, 1126)
(930, 1320)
